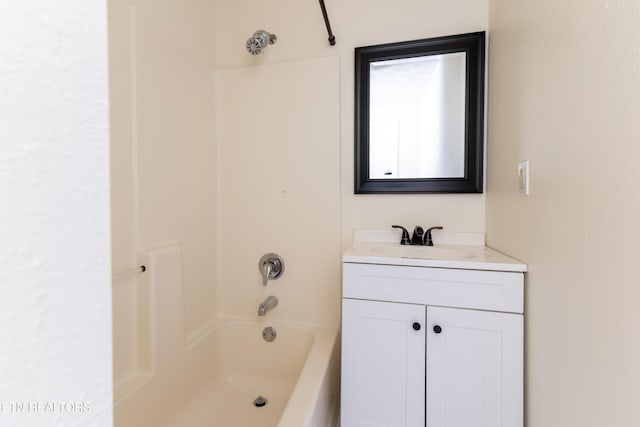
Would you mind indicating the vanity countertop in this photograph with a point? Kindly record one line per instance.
(377, 248)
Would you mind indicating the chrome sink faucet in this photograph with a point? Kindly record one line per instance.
(267, 305)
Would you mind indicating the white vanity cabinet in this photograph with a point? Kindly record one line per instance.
(440, 347)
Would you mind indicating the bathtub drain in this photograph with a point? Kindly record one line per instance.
(260, 402)
(269, 334)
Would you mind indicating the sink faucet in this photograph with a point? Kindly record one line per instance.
(267, 305)
(417, 236)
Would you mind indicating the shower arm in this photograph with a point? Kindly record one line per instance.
(332, 38)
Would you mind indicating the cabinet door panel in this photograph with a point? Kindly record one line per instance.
(474, 368)
(383, 377)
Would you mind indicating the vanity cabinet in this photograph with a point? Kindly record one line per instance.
(431, 346)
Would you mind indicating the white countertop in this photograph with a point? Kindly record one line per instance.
(377, 248)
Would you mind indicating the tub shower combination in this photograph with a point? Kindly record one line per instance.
(237, 373)
(230, 373)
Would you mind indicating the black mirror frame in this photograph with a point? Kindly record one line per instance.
(473, 44)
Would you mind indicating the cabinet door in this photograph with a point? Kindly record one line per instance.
(383, 350)
(474, 368)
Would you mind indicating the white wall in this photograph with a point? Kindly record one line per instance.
(55, 310)
(565, 94)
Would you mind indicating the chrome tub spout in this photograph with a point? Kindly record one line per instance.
(267, 305)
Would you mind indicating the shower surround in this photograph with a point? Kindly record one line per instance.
(229, 156)
(214, 167)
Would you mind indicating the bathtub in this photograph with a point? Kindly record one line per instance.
(219, 377)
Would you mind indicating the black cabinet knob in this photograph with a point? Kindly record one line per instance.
(437, 329)
(416, 326)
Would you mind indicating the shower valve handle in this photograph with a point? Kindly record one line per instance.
(271, 267)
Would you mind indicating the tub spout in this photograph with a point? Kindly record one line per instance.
(267, 305)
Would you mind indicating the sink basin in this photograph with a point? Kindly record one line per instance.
(452, 250)
(421, 252)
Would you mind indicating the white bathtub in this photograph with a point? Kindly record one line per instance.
(222, 374)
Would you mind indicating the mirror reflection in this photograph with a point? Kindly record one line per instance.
(417, 117)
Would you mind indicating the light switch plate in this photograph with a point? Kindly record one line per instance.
(523, 178)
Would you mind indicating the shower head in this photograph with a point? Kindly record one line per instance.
(259, 41)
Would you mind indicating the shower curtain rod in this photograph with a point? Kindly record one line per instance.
(332, 38)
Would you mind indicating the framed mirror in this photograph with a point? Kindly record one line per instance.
(419, 116)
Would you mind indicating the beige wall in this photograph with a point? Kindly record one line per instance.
(301, 35)
(286, 124)
(280, 191)
(565, 94)
(163, 157)
(280, 176)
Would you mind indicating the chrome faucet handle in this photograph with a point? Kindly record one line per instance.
(428, 240)
(268, 268)
(271, 267)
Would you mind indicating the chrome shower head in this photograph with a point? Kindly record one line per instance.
(259, 41)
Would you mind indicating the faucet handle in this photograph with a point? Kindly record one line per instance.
(428, 240)
(271, 267)
(405, 240)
